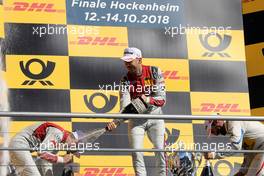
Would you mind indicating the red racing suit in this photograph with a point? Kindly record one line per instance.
(151, 84)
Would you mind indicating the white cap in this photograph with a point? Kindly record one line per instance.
(131, 54)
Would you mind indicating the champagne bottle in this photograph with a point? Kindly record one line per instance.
(207, 170)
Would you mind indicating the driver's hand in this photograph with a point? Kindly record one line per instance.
(67, 158)
(111, 126)
(209, 155)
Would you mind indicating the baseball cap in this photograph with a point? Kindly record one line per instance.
(131, 54)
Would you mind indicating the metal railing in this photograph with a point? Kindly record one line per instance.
(129, 116)
(133, 116)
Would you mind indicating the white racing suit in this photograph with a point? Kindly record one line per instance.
(153, 82)
(249, 136)
(43, 135)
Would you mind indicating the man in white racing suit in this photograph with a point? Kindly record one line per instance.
(243, 135)
(147, 84)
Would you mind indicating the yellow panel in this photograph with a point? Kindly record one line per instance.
(97, 41)
(225, 45)
(36, 11)
(17, 126)
(186, 136)
(61, 70)
(198, 121)
(1, 22)
(186, 132)
(208, 103)
(78, 104)
(255, 61)
(250, 6)
(96, 98)
(175, 72)
(115, 165)
(257, 112)
(224, 166)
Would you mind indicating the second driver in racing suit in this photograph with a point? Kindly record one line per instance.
(146, 83)
(45, 135)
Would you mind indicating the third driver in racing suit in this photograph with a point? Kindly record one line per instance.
(243, 135)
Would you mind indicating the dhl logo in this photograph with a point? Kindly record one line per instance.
(34, 7)
(173, 75)
(220, 107)
(89, 40)
(105, 172)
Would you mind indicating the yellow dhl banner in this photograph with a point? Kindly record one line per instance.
(95, 41)
(35, 11)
